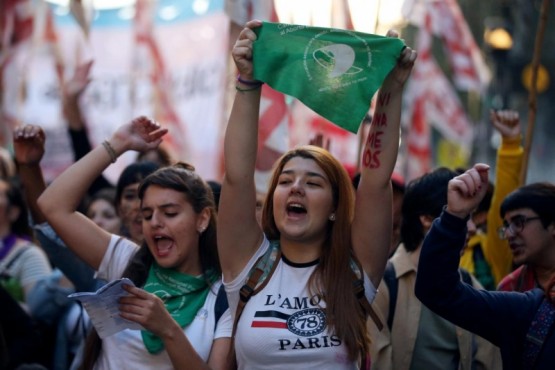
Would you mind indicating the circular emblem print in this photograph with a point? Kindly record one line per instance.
(307, 322)
(337, 60)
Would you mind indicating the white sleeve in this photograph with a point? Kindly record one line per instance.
(224, 327)
(119, 253)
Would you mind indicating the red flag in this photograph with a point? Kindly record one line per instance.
(419, 154)
(470, 71)
(155, 67)
(25, 27)
(434, 102)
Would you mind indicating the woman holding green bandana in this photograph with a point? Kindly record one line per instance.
(176, 268)
(306, 314)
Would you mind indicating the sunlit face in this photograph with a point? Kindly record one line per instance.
(303, 201)
(103, 213)
(129, 212)
(533, 243)
(172, 228)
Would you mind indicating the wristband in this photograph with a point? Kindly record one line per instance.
(247, 89)
(256, 83)
(111, 152)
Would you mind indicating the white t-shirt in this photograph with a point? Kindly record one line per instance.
(126, 350)
(283, 327)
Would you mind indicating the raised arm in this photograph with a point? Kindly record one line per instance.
(238, 232)
(76, 125)
(60, 200)
(371, 231)
(507, 178)
(438, 284)
(28, 142)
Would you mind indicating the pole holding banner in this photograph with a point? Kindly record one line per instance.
(532, 96)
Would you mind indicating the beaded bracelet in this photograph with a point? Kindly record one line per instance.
(256, 83)
(111, 152)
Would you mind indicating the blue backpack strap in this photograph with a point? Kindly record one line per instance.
(537, 332)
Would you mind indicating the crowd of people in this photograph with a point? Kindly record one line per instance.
(317, 271)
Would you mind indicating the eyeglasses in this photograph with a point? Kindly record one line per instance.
(516, 225)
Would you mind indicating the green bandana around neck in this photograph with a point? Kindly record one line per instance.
(183, 296)
(334, 72)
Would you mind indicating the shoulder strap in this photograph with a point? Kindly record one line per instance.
(537, 332)
(221, 305)
(358, 287)
(258, 277)
(390, 279)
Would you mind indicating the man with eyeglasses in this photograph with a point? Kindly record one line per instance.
(529, 217)
(518, 323)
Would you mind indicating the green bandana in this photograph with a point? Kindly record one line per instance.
(183, 296)
(334, 72)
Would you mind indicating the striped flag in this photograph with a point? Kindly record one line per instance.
(149, 60)
(447, 22)
(26, 30)
(434, 102)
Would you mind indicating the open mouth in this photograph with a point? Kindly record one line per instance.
(163, 245)
(295, 209)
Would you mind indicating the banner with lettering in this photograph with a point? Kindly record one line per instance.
(195, 54)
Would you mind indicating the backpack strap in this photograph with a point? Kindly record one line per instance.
(537, 332)
(358, 287)
(390, 279)
(258, 277)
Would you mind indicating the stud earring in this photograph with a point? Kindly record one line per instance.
(332, 217)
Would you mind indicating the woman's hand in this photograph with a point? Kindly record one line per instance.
(140, 134)
(396, 79)
(28, 142)
(148, 310)
(242, 50)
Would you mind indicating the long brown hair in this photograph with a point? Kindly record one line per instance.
(180, 177)
(333, 276)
